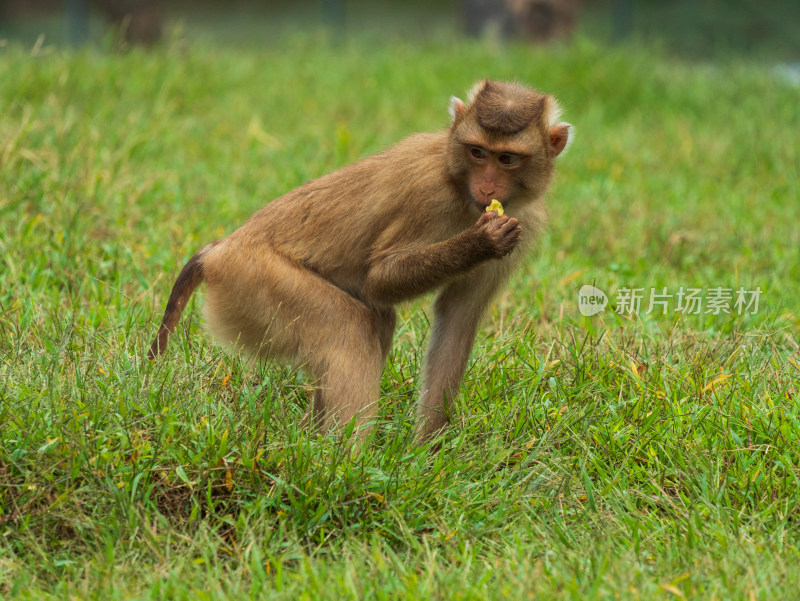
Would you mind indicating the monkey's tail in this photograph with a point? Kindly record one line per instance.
(190, 277)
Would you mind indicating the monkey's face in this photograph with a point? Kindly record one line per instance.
(492, 171)
(504, 142)
(508, 168)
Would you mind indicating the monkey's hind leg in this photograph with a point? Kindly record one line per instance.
(350, 368)
(276, 308)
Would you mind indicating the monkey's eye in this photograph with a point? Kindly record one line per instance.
(508, 159)
(477, 152)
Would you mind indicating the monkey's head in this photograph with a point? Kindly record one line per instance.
(503, 142)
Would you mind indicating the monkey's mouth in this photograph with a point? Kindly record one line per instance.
(479, 203)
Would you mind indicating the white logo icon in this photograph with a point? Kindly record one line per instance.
(591, 300)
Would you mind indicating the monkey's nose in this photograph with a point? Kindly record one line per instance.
(488, 192)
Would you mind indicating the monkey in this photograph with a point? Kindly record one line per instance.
(531, 20)
(134, 21)
(313, 277)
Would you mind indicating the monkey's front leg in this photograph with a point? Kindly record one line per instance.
(457, 313)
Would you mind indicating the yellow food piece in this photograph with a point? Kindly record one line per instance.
(495, 206)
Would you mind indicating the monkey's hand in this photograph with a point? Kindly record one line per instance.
(499, 233)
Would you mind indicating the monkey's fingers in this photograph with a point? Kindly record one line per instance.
(486, 218)
(505, 225)
(511, 228)
(509, 223)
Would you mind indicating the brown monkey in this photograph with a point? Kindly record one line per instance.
(134, 21)
(313, 276)
(532, 20)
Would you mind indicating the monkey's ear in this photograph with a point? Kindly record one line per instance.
(456, 109)
(560, 138)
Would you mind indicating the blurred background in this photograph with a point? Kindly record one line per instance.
(692, 29)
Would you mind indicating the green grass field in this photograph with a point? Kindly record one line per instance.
(608, 457)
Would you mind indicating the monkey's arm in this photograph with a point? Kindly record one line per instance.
(406, 274)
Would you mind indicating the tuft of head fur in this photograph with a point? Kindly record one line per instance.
(507, 108)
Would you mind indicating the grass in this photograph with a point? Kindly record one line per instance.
(618, 456)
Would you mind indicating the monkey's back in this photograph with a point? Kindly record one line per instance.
(337, 224)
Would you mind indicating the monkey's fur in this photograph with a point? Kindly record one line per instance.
(312, 277)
